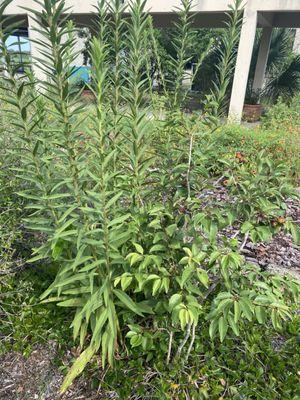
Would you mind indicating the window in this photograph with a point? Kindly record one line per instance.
(19, 46)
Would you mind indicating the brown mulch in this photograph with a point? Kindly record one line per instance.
(280, 255)
(38, 377)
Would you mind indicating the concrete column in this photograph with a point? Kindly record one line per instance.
(262, 59)
(242, 67)
(78, 49)
(34, 49)
(296, 47)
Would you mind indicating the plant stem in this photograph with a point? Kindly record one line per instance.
(192, 342)
(184, 340)
(170, 347)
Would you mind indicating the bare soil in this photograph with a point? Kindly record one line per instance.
(39, 377)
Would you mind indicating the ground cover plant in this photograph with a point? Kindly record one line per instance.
(116, 202)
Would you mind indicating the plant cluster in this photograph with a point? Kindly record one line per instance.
(278, 137)
(114, 196)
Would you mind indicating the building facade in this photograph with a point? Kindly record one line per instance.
(265, 14)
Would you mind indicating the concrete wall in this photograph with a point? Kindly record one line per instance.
(297, 42)
(167, 6)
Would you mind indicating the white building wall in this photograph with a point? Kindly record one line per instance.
(297, 42)
(79, 47)
(167, 6)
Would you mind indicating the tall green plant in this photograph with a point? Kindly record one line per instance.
(216, 102)
(135, 263)
(117, 32)
(138, 132)
(182, 42)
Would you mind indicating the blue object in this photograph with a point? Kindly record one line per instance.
(81, 74)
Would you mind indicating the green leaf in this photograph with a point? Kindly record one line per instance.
(64, 227)
(183, 318)
(155, 224)
(187, 273)
(71, 279)
(157, 248)
(171, 229)
(113, 200)
(274, 319)
(128, 302)
(214, 256)
(246, 227)
(264, 233)
(213, 328)
(138, 248)
(175, 300)
(246, 307)
(125, 282)
(158, 237)
(119, 220)
(213, 231)
(53, 300)
(233, 325)
(93, 265)
(100, 322)
(57, 196)
(145, 307)
(237, 311)
(223, 328)
(134, 258)
(295, 231)
(136, 340)
(156, 286)
(224, 305)
(36, 258)
(203, 277)
(260, 314)
(77, 368)
(76, 302)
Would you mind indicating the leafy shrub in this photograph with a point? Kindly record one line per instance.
(280, 142)
(139, 261)
(283, 116)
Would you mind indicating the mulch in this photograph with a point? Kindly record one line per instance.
(39, 377)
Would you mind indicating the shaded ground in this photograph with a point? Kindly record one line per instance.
(39, 377)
